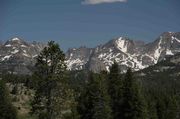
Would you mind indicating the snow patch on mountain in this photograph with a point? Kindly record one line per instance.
(129, 53)
(16, 55)
(25, 54)
(158, 51)
(174, 38)
(8, 45)
(15, 51)
(70, 63)
(23, 46)
(24, 51)
(121, 44)
(6, 57)
(15, 39)
(169, 52)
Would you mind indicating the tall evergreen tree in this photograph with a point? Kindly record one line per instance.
(115, 90)
(152, 112)
(102, 109)
(94, 102)
(7, 110)
(172, 107)
(167, 107)
(53, 98)
(134, 106)
(151, 108)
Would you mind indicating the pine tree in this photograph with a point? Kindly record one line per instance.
(134, 106)
(94, 102)
(167, 107)
(7, 110)
(115, 89)
(151, 107)
(102, 109)
(53, 98)
(172, 107)
(152, 112)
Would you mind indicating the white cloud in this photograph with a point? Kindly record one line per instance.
(101, 1)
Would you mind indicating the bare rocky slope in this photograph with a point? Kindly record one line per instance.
(126, 52)
(18, 56)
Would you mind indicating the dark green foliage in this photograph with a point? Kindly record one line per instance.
(78, 80)
(152, 110)
(7, 111)
(161, 107)
(53, 98)
(162, 88)
(166, 107)
(172, 107)
(127, 95)
(94, 102)
(151, 104)
(162, 102)
(50, 61)
(102, 107)
(134, 106)
(115, 89)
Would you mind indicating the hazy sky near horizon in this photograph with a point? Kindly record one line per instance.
(73, 23)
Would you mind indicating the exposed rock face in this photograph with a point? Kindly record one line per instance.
(18, 56)
(126, 52)
(77, 58)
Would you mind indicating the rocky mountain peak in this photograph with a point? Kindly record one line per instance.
(170, 37)
(129, 53)
(16, 55)
(122, 44)
(16, 39)
(78, 57)
(15, 42)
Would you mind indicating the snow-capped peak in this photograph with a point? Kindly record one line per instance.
(170, 32)
(16, 42)
(121, 44)
(15, 39)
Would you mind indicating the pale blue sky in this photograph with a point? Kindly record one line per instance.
(72, 24)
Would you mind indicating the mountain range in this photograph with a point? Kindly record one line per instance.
(18, 56)
(126, 52)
